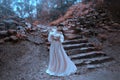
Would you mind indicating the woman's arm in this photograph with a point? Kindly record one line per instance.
(61, 37)
(50, 37)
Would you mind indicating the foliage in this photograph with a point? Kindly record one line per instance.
(37, 8)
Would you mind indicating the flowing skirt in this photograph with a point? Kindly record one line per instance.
(59, 63)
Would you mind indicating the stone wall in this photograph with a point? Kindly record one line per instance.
(112, 5)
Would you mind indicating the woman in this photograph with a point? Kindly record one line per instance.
(59, 63)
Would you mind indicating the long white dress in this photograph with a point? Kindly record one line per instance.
(59, 63)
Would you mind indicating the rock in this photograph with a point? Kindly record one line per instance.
(69, 31)
(12, 32)
(92, 66)
(103, 14)
(20, 28)
(35, 39)
(21, 36)
(72, 36)
(106, 27)
(82, 17)
(14, 38)
(2, 41)
(3, 34)
(85, 32)
(45, 35)
(115, 26)
(103, 37)
(88, 15)
(10, 24)
(6, 39)
(96, 13)
(2, 26)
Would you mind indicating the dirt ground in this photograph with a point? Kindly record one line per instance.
(27, 61)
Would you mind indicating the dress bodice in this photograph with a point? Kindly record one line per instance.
(58, 36)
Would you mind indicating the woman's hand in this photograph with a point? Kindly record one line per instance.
(57, 38)
(52, 36)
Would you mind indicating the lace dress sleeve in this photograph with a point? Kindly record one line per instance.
(61, 37)
(50, 37)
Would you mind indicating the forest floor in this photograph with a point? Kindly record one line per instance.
(26, 60)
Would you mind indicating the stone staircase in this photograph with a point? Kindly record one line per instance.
(82, 52)
(85, 53)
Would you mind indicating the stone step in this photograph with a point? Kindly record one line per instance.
(72, 36)
(89, 66)
(67, 36)
(74, 46)
(69, 31)
(75, 41)
(82, 50)
(97, 60)
(93, 66)
(88, 55)
(72, 31)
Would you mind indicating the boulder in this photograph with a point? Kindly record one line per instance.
(3, 34)
(12, 32)
(1, 41)
(10, 24)
(103, 14)
(13, 38)
(6, 39)
(102, 37)
(115, 26)
(2, 26)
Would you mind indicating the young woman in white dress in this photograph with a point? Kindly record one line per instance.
(59, 63)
